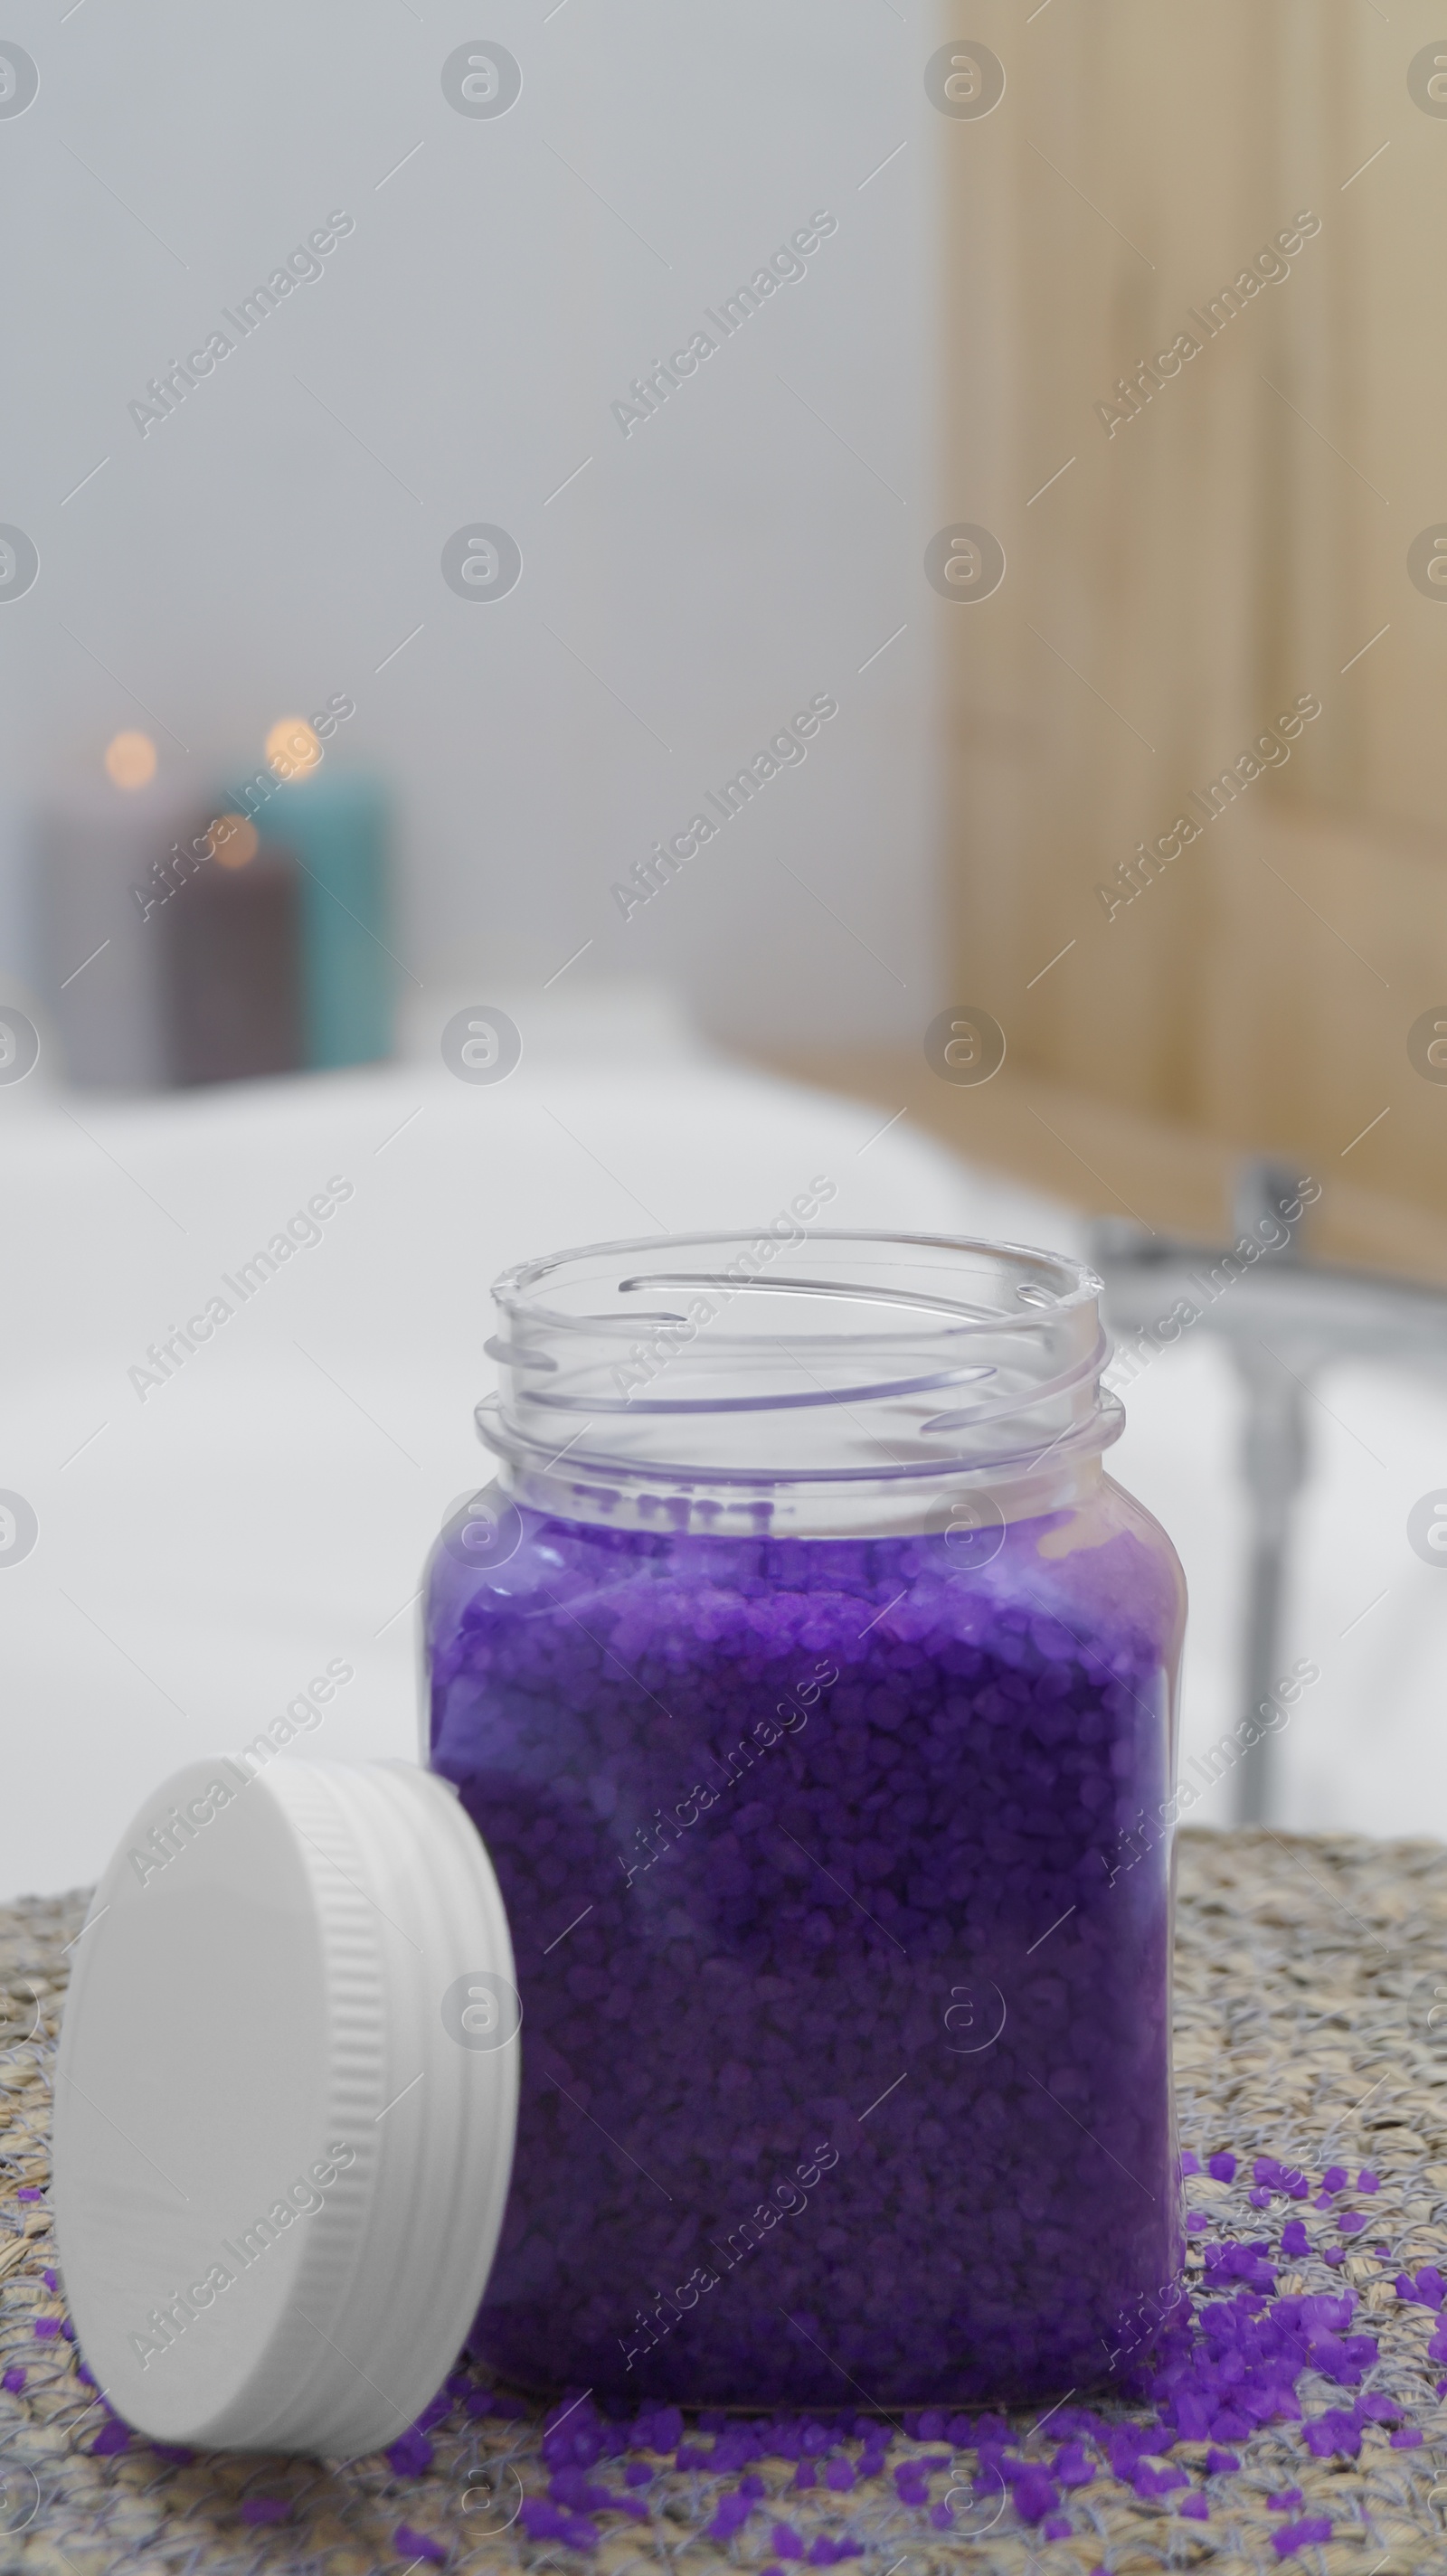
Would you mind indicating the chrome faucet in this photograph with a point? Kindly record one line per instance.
(1285, 1317)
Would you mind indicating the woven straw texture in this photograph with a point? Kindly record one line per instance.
(1311, 1977)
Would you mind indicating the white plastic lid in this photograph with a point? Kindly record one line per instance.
(285, 2105)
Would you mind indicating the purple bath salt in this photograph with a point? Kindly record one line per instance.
(410, 2454)
(838, 1890)
(417, 2544)
(1301, 2535)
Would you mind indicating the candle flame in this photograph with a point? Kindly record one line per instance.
(292, 748)
(233, 840)
(131, 760)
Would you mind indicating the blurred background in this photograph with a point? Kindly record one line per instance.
(447, 453)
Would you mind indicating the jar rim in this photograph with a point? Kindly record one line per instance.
(510, 1287)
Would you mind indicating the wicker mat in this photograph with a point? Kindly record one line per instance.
(1306, 2013)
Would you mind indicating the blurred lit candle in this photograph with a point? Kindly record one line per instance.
(233, 963)
(104, 850)
(335, 825)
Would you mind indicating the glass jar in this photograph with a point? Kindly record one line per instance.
(814, 1692)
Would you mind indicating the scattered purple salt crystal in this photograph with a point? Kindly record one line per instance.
(575, 2441)
(14, 2379)
(266, 2509)
(1196, 2222)
(581, 2494)
(1259, 2196)
(637, 2474)
(1379, 2409)
(1218, 2461)
(785, 2542)
(1072, 2468)
(1034, 2495)
(1408, 2437)
(67, 2328)
(114, 2436)
(1056, 2526)
(1334, 2178)
(479, 2401)
(1222, 2167)
(50, 2280)
(1157, 2482)
(840, 2476)
(735, 2447)
(1195, 2509)
(664, 2430)
(47, 2328)
(409, 2543)
(410, 2454)
(1350, 2221)
(942, 2515)
(1123, 2449)
(1190, 2162)
(1336, 2431)
(1270, 2171)
(1368, 2181)
(1294, 2238)
(1285, 2500)
(730, 2515)
(542, 2520)
(28, 2191)
(1300, 2535)
(806, 2475)
(1430, 2286)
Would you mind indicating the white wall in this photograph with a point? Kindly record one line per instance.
(250, 555)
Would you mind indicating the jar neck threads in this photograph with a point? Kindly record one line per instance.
(814, 1382)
